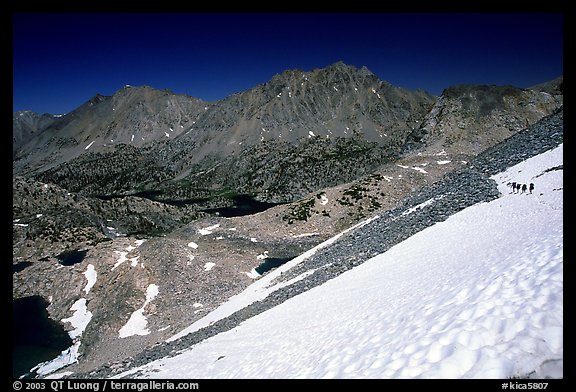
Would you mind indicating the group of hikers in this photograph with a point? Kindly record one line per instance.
(521, 188)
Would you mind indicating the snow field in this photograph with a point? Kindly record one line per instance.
(123, 258)
(137, 324)
(91, 277)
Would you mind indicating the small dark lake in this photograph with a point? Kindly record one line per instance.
(35, 337)
(20, 266)
(71, 257)
(243, 205)
(270, 263)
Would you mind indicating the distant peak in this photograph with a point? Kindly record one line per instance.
(128, 88)
(23, 112)
(97, 98)
(340, 66)
(132, 87)
(334, 68)
(364, 71)
(145, 92)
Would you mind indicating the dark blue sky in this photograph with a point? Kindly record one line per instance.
(62, 60)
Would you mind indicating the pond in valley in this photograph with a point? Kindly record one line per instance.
(36, 338)
(71, 257)
(18, 267)
(270, 263)
(242, 205)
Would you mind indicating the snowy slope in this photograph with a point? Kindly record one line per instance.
(479, 295)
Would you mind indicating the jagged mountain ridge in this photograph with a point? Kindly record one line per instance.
(337, 101)
(133, 115)
(348, 107)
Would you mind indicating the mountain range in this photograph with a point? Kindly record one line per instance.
(147, 176)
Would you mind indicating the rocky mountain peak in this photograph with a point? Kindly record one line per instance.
(143, 91)
(340, 72)
(336, 73)
(339, 101)
(341, 67)
(98, 98)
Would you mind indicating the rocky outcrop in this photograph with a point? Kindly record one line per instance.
(469, 118)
